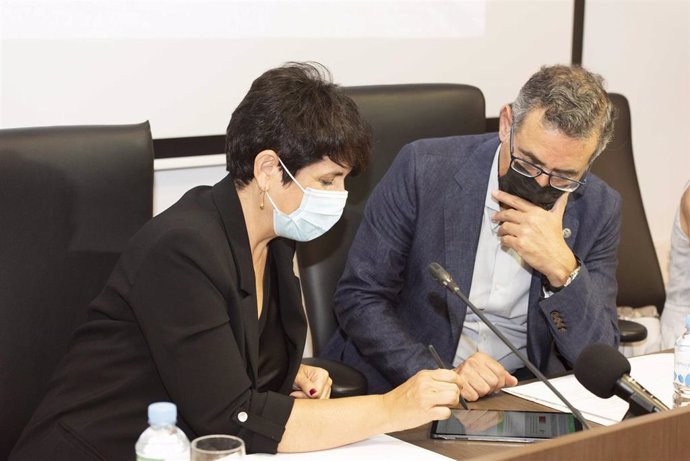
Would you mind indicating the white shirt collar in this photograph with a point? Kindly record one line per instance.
(489, 201)
(491, 204)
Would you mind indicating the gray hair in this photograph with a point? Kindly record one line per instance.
(574, 100)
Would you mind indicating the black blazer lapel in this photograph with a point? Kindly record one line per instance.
(228, 205)
(291, 311)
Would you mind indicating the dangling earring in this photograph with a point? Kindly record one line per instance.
(261, 203)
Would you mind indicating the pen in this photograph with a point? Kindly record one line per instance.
(439, 362)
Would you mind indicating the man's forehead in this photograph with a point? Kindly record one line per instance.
(543, 143)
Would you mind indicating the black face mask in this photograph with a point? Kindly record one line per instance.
(529, 189)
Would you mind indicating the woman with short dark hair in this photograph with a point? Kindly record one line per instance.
(203, 308)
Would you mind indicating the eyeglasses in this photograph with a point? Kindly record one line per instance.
(531, 170)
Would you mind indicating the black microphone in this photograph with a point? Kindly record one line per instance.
(604, 371)
(443, 277)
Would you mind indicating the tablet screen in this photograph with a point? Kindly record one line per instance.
(512, 426)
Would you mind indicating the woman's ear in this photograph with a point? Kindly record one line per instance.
(265, 166)
(505, 120)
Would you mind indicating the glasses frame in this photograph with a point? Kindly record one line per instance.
(577, 183)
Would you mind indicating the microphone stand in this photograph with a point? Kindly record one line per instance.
(444, 278)
(639, 405)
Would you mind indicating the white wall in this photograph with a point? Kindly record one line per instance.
(171, 179)
(184, 66)
(643, 49)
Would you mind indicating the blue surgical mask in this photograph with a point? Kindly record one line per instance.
(317, 213)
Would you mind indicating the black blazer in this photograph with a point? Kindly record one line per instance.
(176, 321)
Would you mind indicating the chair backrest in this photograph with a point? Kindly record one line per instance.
(398, 114)
(70, 199)
(639, 276)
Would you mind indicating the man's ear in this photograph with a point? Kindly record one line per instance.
(505, 120)
(266, 165)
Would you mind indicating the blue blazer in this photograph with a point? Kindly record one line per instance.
(428, 207)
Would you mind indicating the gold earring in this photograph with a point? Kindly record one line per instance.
(261, 203)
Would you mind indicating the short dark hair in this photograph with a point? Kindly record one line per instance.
(296, 111)
(574, 100)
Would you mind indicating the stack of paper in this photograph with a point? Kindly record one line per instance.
(654, 372)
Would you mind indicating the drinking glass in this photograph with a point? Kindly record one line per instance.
(217, 448)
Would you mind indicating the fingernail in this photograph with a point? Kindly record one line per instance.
(312, 391)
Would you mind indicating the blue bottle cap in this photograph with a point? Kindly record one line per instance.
(162, 413)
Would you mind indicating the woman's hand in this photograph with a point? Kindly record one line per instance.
(426, 396)
(330, 423)
(312, 383)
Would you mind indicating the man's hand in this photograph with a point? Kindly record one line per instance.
(481, 375)
(536, 235)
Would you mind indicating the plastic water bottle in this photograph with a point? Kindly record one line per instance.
(681, 368)
(163, 440)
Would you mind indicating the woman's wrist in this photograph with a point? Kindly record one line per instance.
(388, 407)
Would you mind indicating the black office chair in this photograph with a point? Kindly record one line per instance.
(398, 114)
(70, 199)
(639, 276)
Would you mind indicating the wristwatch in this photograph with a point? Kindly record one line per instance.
(568, 281)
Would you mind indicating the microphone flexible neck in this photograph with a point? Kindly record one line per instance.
(444, 278)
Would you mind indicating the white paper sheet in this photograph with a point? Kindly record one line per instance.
(654, 372)
(379, 447)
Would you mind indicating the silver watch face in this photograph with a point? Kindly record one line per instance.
(572, 275)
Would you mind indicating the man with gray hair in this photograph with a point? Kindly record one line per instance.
(517, 220)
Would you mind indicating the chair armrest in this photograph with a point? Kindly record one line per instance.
(631, 331)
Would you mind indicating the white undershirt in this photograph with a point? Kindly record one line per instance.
(500, 287)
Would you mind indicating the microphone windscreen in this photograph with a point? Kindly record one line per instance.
(598, 368)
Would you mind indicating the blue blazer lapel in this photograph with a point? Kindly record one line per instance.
(463, 209)
(571, 223)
